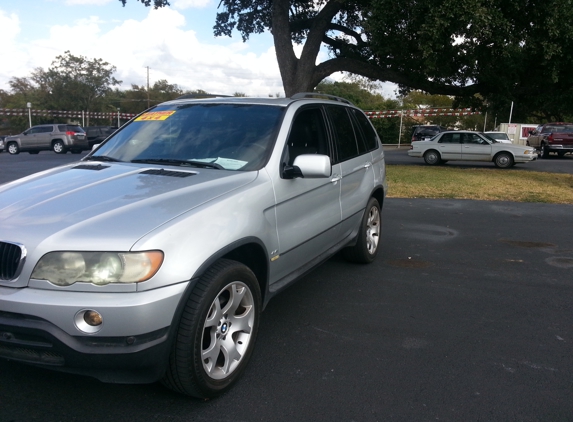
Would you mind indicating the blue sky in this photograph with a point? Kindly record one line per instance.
(176, 43)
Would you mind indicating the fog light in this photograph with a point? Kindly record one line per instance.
(93, 318)
(88, 321)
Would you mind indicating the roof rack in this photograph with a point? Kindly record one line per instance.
(301, 95)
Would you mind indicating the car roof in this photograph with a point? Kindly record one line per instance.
(311, 97)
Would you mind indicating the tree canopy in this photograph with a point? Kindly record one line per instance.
(486, 53)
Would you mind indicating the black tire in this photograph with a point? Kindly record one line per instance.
(544, 151)
(228, 293)
(367, 243)
(503, 160)
(432, 157)
(13, 148)
(58, 147)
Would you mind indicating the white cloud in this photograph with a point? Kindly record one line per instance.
(187, 4)
(88, 2)
(161, 41)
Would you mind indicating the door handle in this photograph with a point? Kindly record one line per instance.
(335, 178)
(367, 165)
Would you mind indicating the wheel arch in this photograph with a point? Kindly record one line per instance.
(53, 141)
(503, 152)
(432, 150)
(379, 195)
(250, 252)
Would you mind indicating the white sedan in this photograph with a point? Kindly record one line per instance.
(470, 146)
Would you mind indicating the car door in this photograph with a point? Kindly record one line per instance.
(32, 138)
(450, 147)
(355, 164)
(307, 209)
(475, 148)
(44, 136)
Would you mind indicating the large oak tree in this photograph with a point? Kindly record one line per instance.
(487, 53)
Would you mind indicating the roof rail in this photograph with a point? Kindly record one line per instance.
(199, 96)
(301, 95)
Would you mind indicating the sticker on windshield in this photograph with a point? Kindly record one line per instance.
(155, 115)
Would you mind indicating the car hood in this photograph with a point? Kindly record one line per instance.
(87, 206)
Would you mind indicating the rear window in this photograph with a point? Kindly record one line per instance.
(557, 128)
(73, 128)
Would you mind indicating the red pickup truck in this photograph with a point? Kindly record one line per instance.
(552, 137)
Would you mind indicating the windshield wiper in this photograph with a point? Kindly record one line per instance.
(102, 158)
(175, 162)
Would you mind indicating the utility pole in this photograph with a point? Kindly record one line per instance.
(147, 86)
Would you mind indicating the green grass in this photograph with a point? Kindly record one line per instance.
(481, 184)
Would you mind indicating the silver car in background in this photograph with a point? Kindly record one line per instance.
(153, 257)
(463, 145)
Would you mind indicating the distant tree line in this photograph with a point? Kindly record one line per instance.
(78, 83)
(75, 83)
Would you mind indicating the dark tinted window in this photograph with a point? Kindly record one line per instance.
(450, 138)
(44, 129)
(307, 134)
(346, 146)
(367, 131)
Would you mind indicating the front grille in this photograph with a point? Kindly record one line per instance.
(12, 257)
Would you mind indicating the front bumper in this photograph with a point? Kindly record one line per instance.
(132, 346)
(525, 158)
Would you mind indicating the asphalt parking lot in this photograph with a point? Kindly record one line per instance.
(466, 315)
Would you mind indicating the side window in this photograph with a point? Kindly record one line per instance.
(368, 133)
(446, 138)
(449, 138)
(45, 129)
(472, 138)
(345, 139)
(307, 135)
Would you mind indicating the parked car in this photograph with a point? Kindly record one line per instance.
(59, 138)
(470, 146)
(156, 256)
(499, 137)
(425, 132)
(552, 137)
(97, 134)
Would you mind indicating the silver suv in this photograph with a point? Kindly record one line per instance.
(59, 138)
(155, 258)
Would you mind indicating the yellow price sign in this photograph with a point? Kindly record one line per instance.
(154, 116)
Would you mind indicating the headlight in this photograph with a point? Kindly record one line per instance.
(67, 268)
(529, 151)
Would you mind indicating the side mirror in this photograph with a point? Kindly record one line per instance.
(310, 166)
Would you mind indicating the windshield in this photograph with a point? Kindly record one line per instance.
(221, 136)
